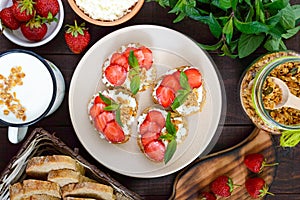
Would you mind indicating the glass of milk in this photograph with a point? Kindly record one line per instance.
(40, 92)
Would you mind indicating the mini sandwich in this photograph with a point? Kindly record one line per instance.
(131, 67)
(159, 132)
(181, 90)
(112, 112)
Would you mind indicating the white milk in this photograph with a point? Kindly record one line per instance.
(37, 90)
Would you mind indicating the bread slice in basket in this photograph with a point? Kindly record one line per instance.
(40, 166)
(88, 189)
(30, 187)
(41, 197)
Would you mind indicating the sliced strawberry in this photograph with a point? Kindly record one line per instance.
(165, 96)
(171, 82)
(194, 77)
(98, 100)
(96, 109)
(148, 126)
(148, 58)
(120, 59)
(114, 133)
(155, 150)
(115, 74)
(127, 51)
(157, 117)
(149, 137)
(103, 119)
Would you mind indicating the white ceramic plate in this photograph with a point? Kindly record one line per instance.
(170, 49)
(17, 37)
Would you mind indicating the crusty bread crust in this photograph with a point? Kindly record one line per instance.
(40, 166)
(78, 198)
(88, 189)
(66, 176)
(41, 197)
(33, 187)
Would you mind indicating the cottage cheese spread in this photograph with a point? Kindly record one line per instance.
(106, 10)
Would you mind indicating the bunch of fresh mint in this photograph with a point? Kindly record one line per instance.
(241, 26)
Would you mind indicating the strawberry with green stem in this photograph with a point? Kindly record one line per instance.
(35, 29)
(8, 20)
(222, 186)
(23, 10)
(77, 37)
(207, 196)
(256, 187)
(256, 162)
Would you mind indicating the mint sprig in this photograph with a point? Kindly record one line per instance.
(134, 73)
(240, 26)
(182, 93)
(112, 106)
(171, 138)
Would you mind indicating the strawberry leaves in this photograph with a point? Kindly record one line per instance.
(134, 73)
(112, 106)
(171, 137)
(182, 93)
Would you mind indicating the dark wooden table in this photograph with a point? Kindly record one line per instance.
(237, 125)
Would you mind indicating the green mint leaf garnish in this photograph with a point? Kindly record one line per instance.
(134, 74)
(170, 126)
(112, 106)
(171, 148)
(182, 94)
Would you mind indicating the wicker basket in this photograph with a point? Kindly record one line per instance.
(40, 142)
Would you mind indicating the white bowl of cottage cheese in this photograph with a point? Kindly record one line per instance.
(106, 12)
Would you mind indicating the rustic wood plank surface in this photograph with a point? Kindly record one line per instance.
(286, 184)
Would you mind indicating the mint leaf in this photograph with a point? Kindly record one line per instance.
(170, 126)
(118, 117)
(214, 26)
(254, 27)
(288, 17)
(180, 99)
(211, 47)
(248, 44)
(171, 148)
(134, 73)
(135, 84)
(272, 44)
(112, 107)
(291, 32)
(106, 100)
(228, 30)
(132, 60)
(184, 83)
(222, 4)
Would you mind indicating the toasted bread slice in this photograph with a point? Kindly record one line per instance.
(66, 176)
(78, 198)
(40, 197)
(40, 166)
(31, 187)
(88, 189)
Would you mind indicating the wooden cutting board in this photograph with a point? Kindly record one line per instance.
(196, 178)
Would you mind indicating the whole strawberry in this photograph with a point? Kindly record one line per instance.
(23, 10)
(8, 19)
(207, 196)
(47, 8)
(256, 187)
(34, 30)
(255, 162)
(222, 186)
(77, 37)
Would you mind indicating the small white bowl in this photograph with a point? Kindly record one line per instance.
(17, 37)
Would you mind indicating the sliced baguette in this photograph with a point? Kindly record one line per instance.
(40, 197)
(66, 176)
(88, 189)
(78, 198)
(30, 187)
(42, 165)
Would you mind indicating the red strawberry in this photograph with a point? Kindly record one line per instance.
(194, 77)
(120, 59)
(155, 150)
(148, 126)
(34, 30)
(256, 187)
(255, 162)
(149, 137)
(8, 19)
(44, 7)
(222, 186)
(103, 119)
(23, 10)
(144, 57)
(157, 117)
(114, 133)
(207, 196)
(165, 96)
(77, 37)
(96, 109)
(171, 82)
(98, 100)
(115, 74)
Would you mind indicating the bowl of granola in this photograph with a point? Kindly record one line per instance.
(106, 12)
